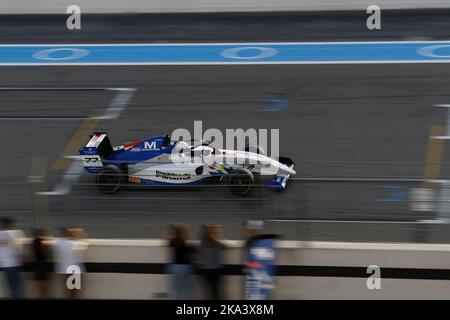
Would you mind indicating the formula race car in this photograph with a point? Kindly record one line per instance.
(158, 161)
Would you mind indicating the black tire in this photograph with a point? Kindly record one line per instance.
(240, 181)
(109, 179)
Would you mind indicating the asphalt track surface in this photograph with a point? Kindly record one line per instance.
(355, 132)
(342, 122)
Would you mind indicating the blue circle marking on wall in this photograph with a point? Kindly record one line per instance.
(436, 51)
(61, 54)
(249, 53)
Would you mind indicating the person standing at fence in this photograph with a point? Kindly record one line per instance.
(210, 259)
(181, 268)
(69, 257)
(41, 252)
(11, 256)
(259, 269)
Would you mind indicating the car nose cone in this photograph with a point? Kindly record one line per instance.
(286, 170)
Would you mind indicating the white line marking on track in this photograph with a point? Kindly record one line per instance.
(65, 186)
(72, 174)
(63, 64)
(446, 137)
(218, 43)
(113, 111)
(437, 221)
(357, 179)
(40, 118)
(56, 88)
(118, 104)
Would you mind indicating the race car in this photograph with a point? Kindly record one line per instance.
(158, 161)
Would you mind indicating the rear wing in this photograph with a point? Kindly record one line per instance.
(98, 148)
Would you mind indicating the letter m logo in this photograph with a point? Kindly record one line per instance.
(150, 146)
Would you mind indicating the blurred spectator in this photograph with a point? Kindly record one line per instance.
(259, 262)
(181, 268)
(11, 256)
(69, 257)
(210, 261)
(41, 260)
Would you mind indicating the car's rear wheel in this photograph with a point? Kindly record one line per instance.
(240, 181)
(108, 180)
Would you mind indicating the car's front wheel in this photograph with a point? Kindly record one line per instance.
(108, 180)
(240, 181)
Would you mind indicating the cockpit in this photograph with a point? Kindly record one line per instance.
(202, 151)
(198, 149)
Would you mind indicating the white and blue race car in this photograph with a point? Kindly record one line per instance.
(158, 161)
